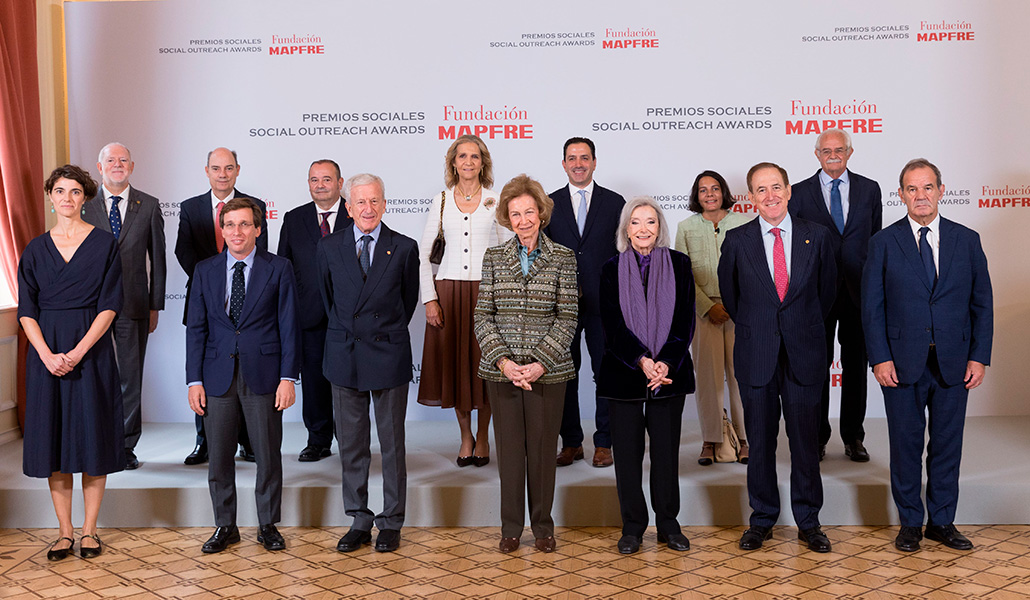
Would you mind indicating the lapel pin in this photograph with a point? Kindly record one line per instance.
(806, 241)
(388, 252)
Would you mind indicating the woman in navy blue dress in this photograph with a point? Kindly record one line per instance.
(69, 290)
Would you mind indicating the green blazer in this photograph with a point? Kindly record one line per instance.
(696, 238)
(528, 318)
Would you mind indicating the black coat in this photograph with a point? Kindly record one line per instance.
(620, 377)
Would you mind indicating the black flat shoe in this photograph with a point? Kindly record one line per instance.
(131, 462)
(90, 551)
(856, 451)
(629, 544)
(388, 540)
(314, 454)
(675, 541)
(197, 457)
(220, 539)
(949, 536)
(754, 536)
(247, 454)
(908, 538)
(815, 538)
(62, 553)
(270, 538)
(354, 539)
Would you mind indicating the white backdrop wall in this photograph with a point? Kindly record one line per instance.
(665, 89)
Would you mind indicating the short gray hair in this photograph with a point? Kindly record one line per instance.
(622, 238)
(362, 179)
(103, 151)
(834, 131)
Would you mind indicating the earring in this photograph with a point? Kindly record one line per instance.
(52, 209)
(83, 210)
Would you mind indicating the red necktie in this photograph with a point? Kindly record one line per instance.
(779, 265)
(219, 241)
(325, 224)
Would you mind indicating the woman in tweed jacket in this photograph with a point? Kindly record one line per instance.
(525, 319)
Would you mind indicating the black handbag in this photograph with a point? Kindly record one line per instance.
(439, 244)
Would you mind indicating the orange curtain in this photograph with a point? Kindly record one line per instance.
(21, 149)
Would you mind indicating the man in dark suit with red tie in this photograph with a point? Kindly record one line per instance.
(778, 278)
(243, 357)
(849, 207)
(584, 219)
(199, 237)
(303, 227)
(928, 310)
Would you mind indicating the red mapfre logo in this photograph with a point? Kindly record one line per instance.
(1004, 197)
(945, 31)
(854, 116)
(295, 44)
(625, 39)
(507, 123)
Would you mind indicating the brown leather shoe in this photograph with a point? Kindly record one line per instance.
(569, 454)
(545, 544)
(508, 544)
(603, 457)
(707, 456)
(742, 453)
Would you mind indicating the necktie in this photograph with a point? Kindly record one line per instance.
(926, 253)
(324, 226)
(115, 217)
(363, 258)
(581, 218)
(836, 208)
(239, 292)
(780, 265)
(219, 241)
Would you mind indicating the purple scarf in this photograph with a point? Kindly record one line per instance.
(648, 316)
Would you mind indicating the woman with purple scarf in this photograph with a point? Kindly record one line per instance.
(647, 308)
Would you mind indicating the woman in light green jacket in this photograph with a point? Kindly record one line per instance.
(700, 237)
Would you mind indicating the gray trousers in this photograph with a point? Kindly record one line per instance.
(265, 423)
(130, 347)
(353, 434)
(526, 428)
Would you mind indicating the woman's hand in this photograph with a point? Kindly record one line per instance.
(657, 373)
(434, 314)
(517, 373)
(57, 364)
(717, 314)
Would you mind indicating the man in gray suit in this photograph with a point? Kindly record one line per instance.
(134, 218)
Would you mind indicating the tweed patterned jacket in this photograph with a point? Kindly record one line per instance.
(528, 318)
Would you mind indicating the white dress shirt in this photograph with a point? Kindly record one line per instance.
(933, 237)
(826, 183)
(574, 193)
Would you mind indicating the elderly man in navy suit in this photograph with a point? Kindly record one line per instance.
(778, 279)
(303, 227)
(585, 219)
(928, 311)
(134, 218)
(200, 237)
(243, 355)
(849, 206)
(370, 290)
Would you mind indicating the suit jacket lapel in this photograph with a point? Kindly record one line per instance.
(816, 196)
(130, 212)
(206, 217)
(563, 207)
(801, 256)
(219, 285)
(311, 222)
(260, 273)
(903, 235)
(755, 250)
(98, 207)
(946, 248)
(381, 258)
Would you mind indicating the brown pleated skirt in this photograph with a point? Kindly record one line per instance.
(450, 356)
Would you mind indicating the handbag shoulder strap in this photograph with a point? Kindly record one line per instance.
(443, 203)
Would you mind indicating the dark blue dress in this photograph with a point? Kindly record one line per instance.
(73, 424)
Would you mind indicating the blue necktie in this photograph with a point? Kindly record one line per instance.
(836, 208)
(581, 218)
(926, 253)
(363, 258)
(239, 292)
(115, 217)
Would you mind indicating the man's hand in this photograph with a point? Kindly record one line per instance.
(285, 395)
(198, 400)
(153, 320)
(974, 374)
(885, 374)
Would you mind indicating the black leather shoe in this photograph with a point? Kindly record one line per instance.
(61, 553)
(198, 456)
(949, 536)
(675, 541)
(822, 452)
(908, 538)
(270, 538)
(247, 454)
(815, 538)
(314, 454)
(628, 544)
(754, 536)
(220, 539)
(856, 451)
(354, 539)
(388, 540)
(131, 462)
(90, 551)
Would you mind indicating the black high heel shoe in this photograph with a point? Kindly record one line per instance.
(465, 461)
(53, 554)
(85, 552)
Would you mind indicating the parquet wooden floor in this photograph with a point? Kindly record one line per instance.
(444, 563)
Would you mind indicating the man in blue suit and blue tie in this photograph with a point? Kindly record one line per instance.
(928, 312)
(778, 279)
(243, 356)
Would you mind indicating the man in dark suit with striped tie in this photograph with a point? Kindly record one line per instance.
(303, 227)
(778, 279)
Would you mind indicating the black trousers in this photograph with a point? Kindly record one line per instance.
(571, 425)
(845, 321)
(317, 401)
(661, 420)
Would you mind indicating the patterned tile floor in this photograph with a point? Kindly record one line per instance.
(444, 563)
